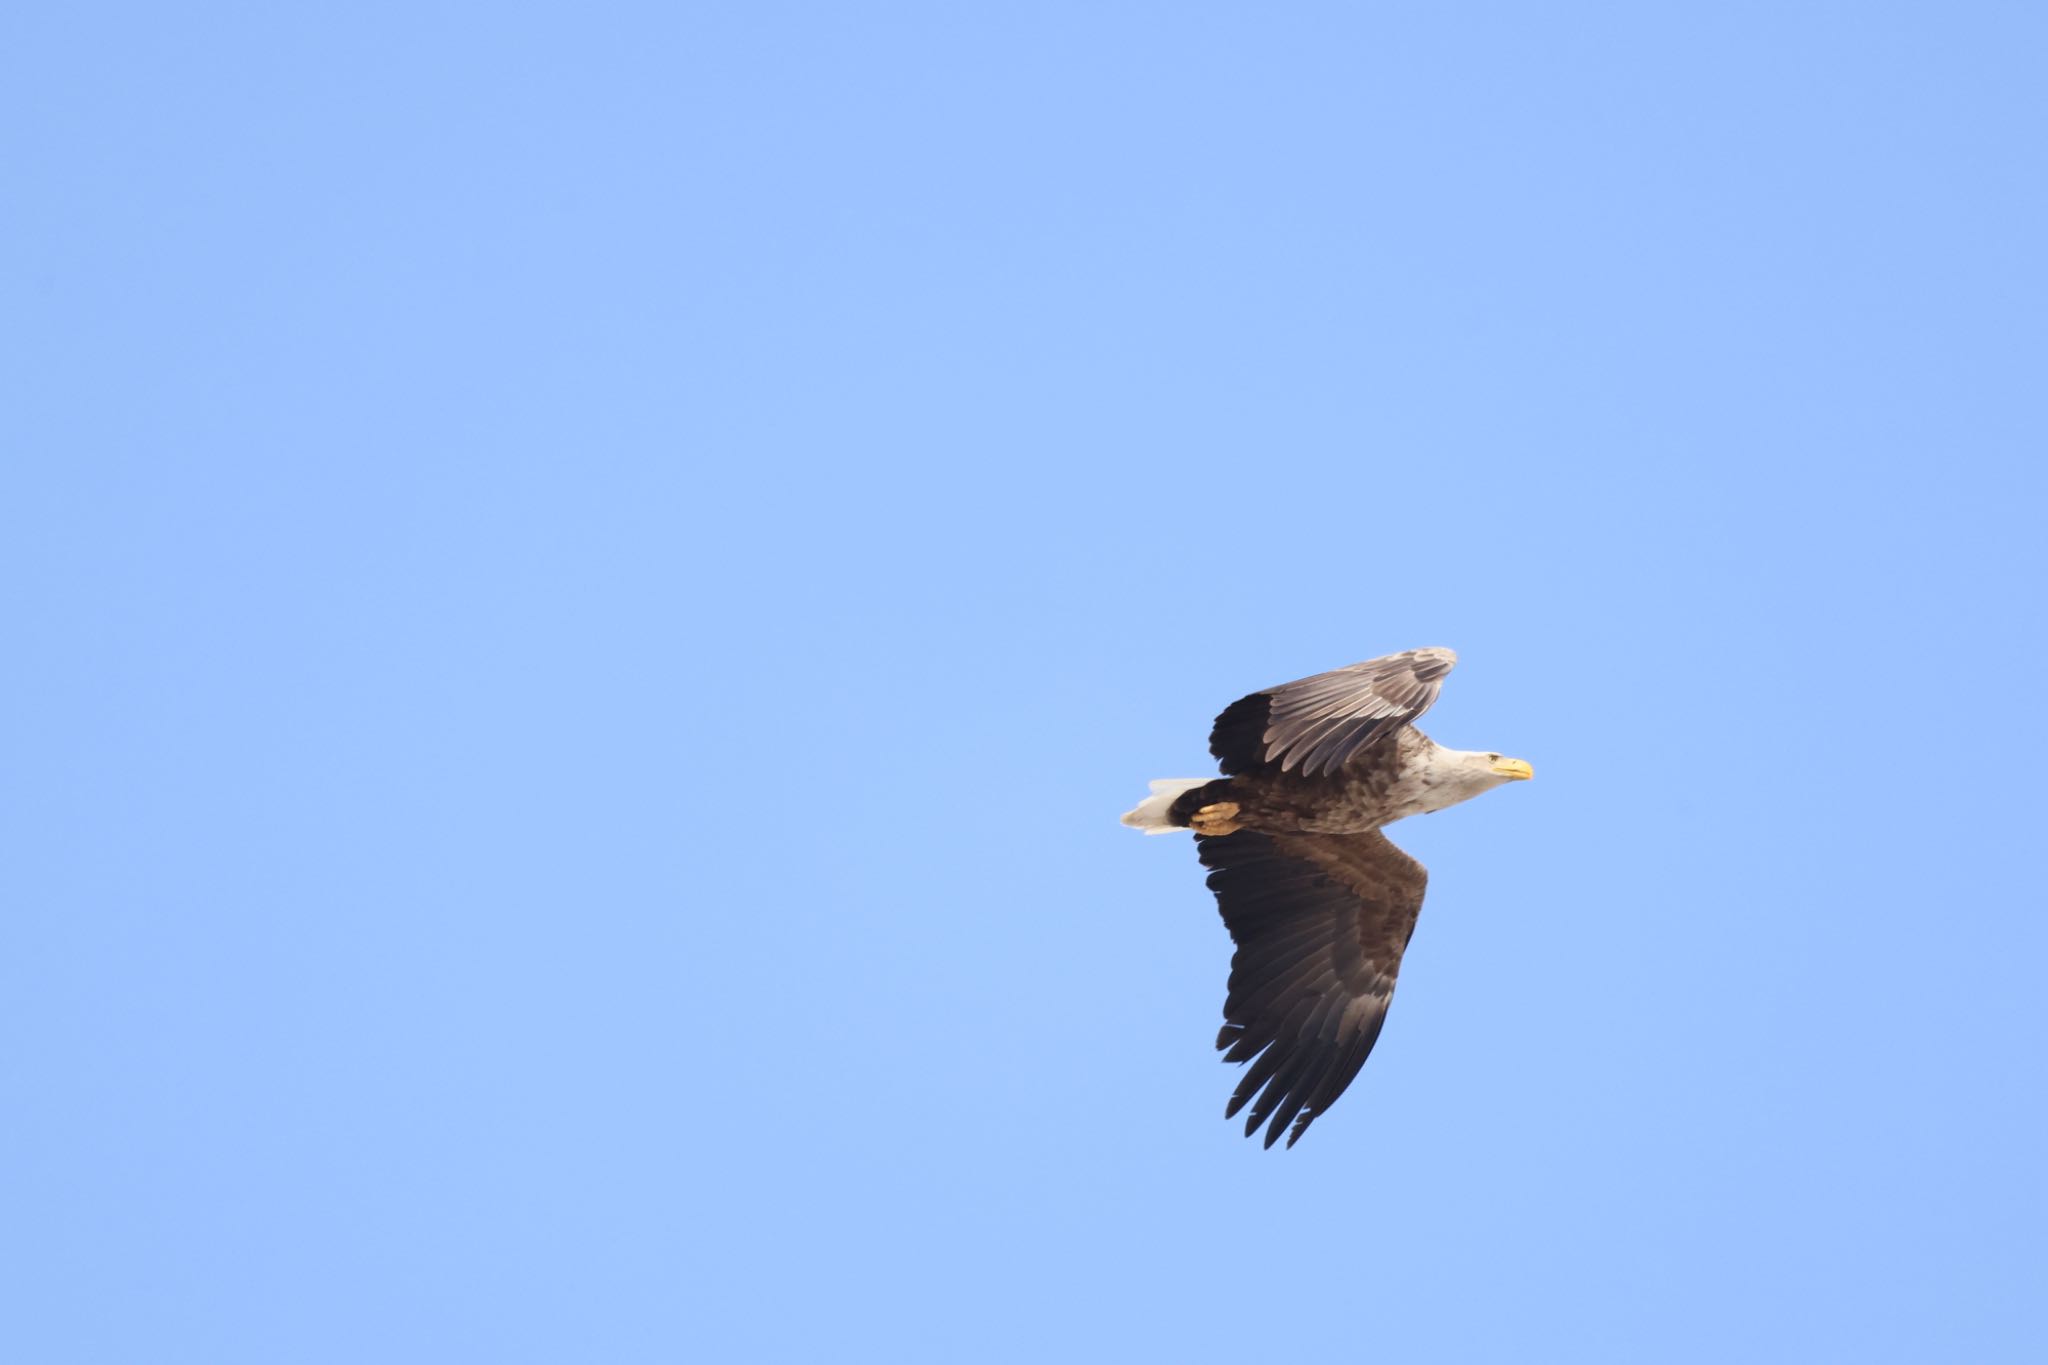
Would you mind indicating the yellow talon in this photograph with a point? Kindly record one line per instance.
(1220, 818)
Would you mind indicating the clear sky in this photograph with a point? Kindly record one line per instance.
(584, 586)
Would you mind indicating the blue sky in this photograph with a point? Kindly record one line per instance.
(586, 585)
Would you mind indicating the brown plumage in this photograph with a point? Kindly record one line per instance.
(1320, 903)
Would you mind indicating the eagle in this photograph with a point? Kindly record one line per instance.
(1318, 900)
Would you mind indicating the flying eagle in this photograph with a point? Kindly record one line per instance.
(1318, 900)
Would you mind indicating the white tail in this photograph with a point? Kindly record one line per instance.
(1150, 814)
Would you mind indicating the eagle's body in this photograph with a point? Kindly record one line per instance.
(1318, 900)
(1407, 774)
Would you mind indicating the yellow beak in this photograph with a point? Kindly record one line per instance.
(1514, 769)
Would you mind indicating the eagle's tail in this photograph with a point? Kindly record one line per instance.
(1154, 813)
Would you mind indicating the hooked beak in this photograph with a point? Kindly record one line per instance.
(1514, 769)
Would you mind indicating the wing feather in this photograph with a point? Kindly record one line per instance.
(1320, 922)
(1319, 724)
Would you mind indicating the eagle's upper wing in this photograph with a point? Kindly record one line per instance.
(1318, 723)
(1320, 921)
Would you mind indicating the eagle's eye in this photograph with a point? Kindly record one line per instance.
(1494, 757)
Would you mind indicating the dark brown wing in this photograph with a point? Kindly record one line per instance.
(1317, 724)
(1320, 922)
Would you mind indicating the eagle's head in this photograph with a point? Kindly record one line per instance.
(1453, 775)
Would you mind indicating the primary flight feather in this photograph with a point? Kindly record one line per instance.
(1319, 902)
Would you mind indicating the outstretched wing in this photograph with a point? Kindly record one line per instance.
(1317, 724)
(1320, 922)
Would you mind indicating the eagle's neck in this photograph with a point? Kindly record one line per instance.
(1434, 777)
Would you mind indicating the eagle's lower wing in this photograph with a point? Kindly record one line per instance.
(1320, 922)
(1318, 723)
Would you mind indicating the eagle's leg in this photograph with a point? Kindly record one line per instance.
(1220, 818)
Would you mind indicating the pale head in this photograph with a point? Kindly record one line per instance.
(1449, 776)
